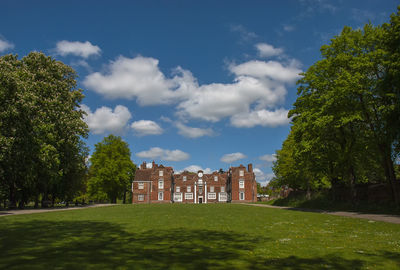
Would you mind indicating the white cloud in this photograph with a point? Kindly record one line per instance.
(139, 78)
(258, 87)
(261, 117)
(105, 120)
(268, 157)
(266, 50)
(164, 154)
(5, 45)
(193, 132)
(82, 49)
(289, 28)
(195, 169)
(229, 158)
(245, 34)
(146, 127)
(263, 178)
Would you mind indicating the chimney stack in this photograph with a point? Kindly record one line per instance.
(143, 166)
(250, 167)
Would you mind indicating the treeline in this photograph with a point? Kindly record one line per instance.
(42, 153)
(346, 120)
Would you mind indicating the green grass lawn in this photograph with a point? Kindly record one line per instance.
(212, 236)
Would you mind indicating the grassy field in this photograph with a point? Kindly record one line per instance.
(213, 236)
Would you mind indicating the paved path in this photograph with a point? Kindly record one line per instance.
(33, 211)
(375, 217)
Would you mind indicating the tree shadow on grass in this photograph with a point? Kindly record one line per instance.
(101, 245)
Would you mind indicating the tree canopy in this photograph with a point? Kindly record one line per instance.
(111, 171)
(346, 119)
(41, 129)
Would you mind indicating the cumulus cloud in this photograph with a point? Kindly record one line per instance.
(267, 50)
(146, 127)
(82, 49)
(268, 157)
(263, 178)
(106, 120)
(193, 132)
(261, 117)
(229, 158)
(195, 169)
(258, 87)
(5, 45)
(164, 154)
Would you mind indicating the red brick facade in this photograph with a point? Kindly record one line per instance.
(159, 184)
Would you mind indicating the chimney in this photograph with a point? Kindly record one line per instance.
(154, 164)
(143, 166)
(250, 167)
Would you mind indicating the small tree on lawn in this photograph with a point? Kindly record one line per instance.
(111, 170)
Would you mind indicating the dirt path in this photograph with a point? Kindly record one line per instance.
(34, 211)
(375, 217)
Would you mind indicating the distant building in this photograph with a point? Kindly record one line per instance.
(159, 184)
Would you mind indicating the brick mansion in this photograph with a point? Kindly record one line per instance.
(160, 184)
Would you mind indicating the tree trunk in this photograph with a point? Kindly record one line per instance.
(13, 199)
(390, 174)
(36, 202)
(124, 198)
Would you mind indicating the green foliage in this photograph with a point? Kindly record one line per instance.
(41, 129)
(346, 119)
(187, 236)
(111, 171)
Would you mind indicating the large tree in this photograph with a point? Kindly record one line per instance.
(41, 128)
(346, 119)
(111, 170)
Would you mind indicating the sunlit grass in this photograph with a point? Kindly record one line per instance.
(213, 236)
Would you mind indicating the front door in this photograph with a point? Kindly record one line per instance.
(200, 199)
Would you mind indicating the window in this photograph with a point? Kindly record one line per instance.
(222, 197)
(241, 195)
(160, 184)
(178, 197)
(189, 189)
(161, 173)
(222, 189)
(241, 183)
(241, 173)
(141, 185)
(211, 189)
(215, 178)
(160, 196)
(188, 196)
(184, 178)
(178, 189)
(211, 196)
(140, 197)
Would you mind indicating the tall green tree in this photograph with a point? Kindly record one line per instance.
(111, 171)
(41, 128)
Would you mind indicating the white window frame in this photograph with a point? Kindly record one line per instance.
(222, 194)
(140, 185)
(161, 196)
(241, 197)
(177, 189)
(140, 197)
(211, 195)
(188, 196)
(241, 183)
(189, 189)
(222, 189)
(241, 173)
(160, 184)
(177, 197)
(160, 173)
(215, 178)
(212, 189)
(184, 178)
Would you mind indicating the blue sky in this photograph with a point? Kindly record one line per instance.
(189, 84)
